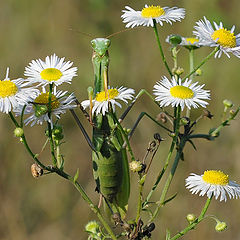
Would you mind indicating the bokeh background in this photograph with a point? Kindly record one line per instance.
(49, 207)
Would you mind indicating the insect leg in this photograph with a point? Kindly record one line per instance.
(83, 131)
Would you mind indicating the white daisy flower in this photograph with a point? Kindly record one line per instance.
(60, 102)
(101, 102)
(149, 14)
(13, 93)
(180, 94)
(220, 36)
(53, 70)
(214, 183)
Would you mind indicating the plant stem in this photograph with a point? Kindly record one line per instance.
(139, 205)
(54, 160)
(197, 221)
(160, 48)
(191, 68)
(174, 166)
(203, 62)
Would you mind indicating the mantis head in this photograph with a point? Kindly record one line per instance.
(100, 45)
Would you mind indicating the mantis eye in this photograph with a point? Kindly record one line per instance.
(93, 43)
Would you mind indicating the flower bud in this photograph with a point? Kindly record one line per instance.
(179, 71)
(232, 113)
(40, 110)
(220, 226)
(184, 121)
(174, 39)
(198, 72)
(227, 103)
(191, 218)
(92, 227)
(18, 132)
(161, 117)
(36, 171)
(57, 129)
(135, 166)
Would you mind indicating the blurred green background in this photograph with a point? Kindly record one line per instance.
(49, 207)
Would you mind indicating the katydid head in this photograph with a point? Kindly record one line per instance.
(100, 45)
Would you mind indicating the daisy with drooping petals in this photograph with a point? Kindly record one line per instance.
(53, 70)
(101, 102)
(60, 102)
(149, 14)
(214, 183)
(187, 42)
(180, 94)
(220, 36)
(190, 43)
(13, 93)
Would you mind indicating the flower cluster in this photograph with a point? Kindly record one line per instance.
(22, 96)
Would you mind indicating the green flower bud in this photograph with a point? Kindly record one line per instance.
(227, 103)
(18, 132)
(232, 113)
(135, 166)
(174, 39)
(191, 218)
(184, 121)
(220, 226)
(40, 110)
(179, 71)
(198, 72)
(92, 227)
(57, 129)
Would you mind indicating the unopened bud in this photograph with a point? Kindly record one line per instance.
(227, 103)
(179, 71)
(184, 121)
(135, 166)
(40, 110)
(36, 171)
(172, 134)
(92, 227)
(161, 117)
(232, 112)
(174, 39)
(198, 72)
(18, 132)
(220, 226)
(191, 218)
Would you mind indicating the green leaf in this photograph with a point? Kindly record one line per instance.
(76, 176)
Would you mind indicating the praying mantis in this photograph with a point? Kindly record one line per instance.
(109, 140)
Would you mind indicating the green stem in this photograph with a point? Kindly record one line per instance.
(160, 175)
(174, 166)
(59, 157)
(160, 48)
(203, 62)
(191, 68)
(13, 119)
(54, 160)
(139, 205)
(197, 221)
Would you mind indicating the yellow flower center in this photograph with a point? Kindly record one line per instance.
(224, 38)
(7, 88)
(43, 99)
(192, 40)
(51, 74)
(215, 177)
(181, 92)
(152, 12)
(103, 96)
